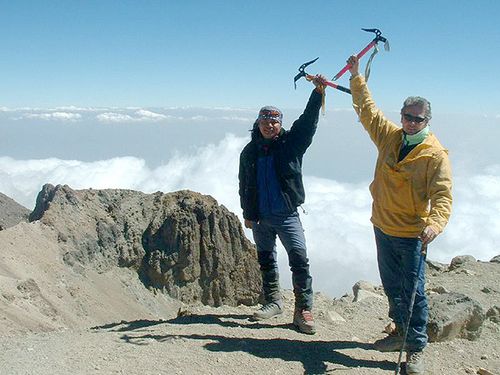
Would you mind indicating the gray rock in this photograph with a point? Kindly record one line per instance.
(488, 290)
(11, 212)
(364, 294)
(439, 289)
(183, 243)
(483, 371)
(460, 261)
(454, 315)
(333, 316)
(495, 259)
(436, 266)
(493, 314)
(363, 290)
(363, 285)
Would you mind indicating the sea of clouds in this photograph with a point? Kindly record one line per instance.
(198, 149)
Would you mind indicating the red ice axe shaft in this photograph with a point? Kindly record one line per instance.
(373, 43)
(310, 77)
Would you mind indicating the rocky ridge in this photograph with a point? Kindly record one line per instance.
(183, 243)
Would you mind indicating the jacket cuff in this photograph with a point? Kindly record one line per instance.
(356, 81)
(316, 97)
(435, 227)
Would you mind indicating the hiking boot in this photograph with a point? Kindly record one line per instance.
(415, 362)
(304, 321)
(268, 311)
(391, 343)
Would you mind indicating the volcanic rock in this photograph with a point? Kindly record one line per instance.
(454, 315)
(183, 243)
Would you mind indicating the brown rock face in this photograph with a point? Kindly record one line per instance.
(183, 243)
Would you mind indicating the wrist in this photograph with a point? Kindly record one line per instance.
(320, 89)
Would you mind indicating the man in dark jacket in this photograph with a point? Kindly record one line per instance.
(271, 189)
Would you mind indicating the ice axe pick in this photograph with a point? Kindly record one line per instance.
(373, 43)
(309, 77)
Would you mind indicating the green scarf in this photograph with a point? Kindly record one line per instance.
(415, 139)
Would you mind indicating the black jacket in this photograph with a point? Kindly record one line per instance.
(288, 150)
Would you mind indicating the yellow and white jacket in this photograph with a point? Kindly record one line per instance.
(413, 193)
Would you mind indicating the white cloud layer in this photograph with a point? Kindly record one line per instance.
(141, 115)
(127, 115)
(114, 117)
(338, 231)
(48, 116)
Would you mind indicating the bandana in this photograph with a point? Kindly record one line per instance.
(270, 113)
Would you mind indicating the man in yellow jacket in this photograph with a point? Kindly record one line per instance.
(411, 193)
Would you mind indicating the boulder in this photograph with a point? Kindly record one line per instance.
(182, 243)
(453, 315)
(460, 261)
(495, 259)
(363, 290)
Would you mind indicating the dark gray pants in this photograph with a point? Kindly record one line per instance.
(291, 234)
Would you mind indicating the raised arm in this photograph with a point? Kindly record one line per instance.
(303, 129)
(373, 120)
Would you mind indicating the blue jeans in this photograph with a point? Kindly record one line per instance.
(291, 234)
(398, 260)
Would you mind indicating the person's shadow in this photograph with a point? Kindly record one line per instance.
(314, 355)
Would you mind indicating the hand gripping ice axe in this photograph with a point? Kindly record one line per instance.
(309, 77)
(372, 44)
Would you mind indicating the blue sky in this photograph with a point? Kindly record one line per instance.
(244, 54)
(107, 94)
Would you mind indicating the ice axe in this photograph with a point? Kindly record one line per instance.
(423, 252)
(373, 43)
(309, 77)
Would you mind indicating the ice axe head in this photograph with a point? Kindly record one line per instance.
(379, 37)
(302, 71)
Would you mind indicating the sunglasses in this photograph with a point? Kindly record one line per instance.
(412, 118)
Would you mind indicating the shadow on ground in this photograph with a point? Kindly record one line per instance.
(314, 355)
(124, 326)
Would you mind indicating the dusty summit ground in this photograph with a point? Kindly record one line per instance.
(225, 340)
(62, 319)
(89, 323)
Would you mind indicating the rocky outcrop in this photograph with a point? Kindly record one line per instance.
(453, 315)
(183, 243)
(11, 212)
(460, 261)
